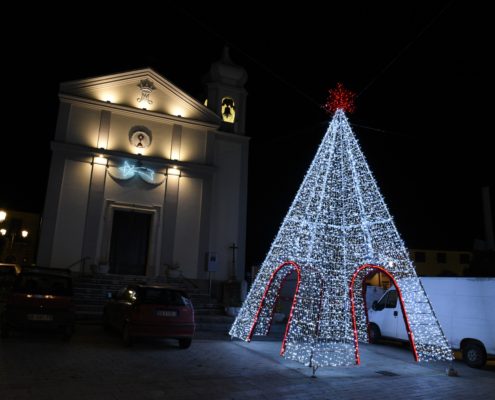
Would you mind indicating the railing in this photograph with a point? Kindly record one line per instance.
(78, 262)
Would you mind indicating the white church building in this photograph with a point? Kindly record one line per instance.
(143, 176)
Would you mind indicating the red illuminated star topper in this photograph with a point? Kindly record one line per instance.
(341, 98)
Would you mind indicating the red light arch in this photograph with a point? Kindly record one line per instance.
(353, 311)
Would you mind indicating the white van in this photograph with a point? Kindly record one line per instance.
(465, 308)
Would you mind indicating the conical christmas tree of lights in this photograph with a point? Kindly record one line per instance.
(338, 230)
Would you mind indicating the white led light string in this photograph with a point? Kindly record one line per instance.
(337, 223)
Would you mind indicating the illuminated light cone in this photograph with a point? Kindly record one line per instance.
(338, 230)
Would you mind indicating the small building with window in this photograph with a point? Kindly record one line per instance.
(145, 177)
(440, 262)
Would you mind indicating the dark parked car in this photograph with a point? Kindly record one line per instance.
(151, 311)
(40, 298)
(8, 273)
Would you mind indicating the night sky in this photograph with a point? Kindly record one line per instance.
(421, 73)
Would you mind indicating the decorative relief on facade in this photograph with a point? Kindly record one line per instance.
(140, 137)
(146, 87)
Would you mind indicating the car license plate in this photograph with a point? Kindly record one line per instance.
(166, 313)
(40, 317)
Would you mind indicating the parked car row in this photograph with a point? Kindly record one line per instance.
(38, 298)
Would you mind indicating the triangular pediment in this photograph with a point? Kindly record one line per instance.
(126, 89)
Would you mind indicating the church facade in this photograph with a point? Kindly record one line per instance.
(144, 177)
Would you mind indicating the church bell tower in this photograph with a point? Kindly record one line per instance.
(226, 94)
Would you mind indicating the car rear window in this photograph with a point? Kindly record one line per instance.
(162, 296)
(43, 284)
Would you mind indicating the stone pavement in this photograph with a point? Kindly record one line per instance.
(95, 365)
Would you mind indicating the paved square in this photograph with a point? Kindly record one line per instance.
(96, 365)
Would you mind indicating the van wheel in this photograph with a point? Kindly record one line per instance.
(474, 354)
(185, 343)
(375, 334)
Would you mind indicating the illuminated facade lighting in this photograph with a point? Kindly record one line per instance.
(173, 171)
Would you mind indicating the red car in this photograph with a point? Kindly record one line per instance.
(151, 311)
(40, 298)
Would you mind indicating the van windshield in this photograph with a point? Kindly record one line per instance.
(43, 284)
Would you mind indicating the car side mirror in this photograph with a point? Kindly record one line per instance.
(373, 306)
